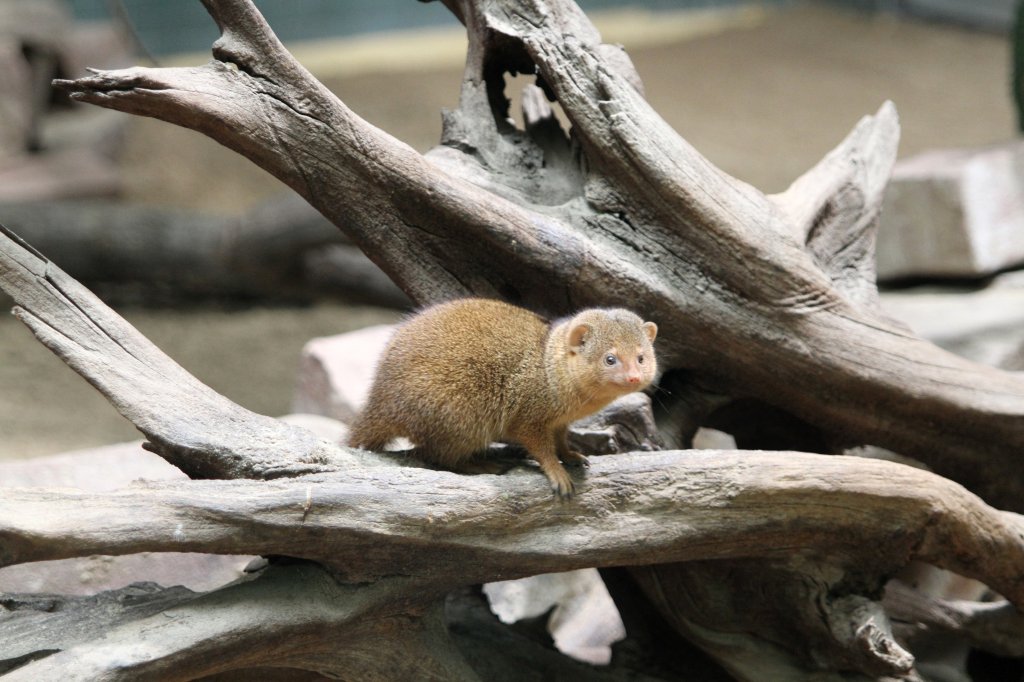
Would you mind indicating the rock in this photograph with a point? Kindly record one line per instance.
(584, 623)
(985, 326)
(335, 372)
(954, 213)
(713, 439)
(96, 469)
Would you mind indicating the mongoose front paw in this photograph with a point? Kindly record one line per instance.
(561, 483)
(576, 459)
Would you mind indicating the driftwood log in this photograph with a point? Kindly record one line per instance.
(774, 563)
(281, 249)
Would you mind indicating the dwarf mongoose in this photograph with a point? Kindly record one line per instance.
(460, 375)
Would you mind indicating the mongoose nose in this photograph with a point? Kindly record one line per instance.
(633, 379)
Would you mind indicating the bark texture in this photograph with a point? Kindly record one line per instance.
(769, 561)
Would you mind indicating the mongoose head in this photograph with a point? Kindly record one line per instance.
(610, 351)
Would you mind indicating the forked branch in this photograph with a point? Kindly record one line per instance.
(758, 298)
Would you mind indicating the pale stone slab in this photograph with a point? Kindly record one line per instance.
(986, 326)
(584, 623)
(954, 213)
(96, 469)
(335, 372)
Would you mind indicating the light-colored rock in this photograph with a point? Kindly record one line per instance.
(335, 372)
(986, 326)
(584, 623)
(957, 213)
(713, 439)
(96, 469)
(98, 573)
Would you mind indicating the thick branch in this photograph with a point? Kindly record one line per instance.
(36, 626)
(291, 616)
(631, 509)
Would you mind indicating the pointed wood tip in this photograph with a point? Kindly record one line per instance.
(11, 235)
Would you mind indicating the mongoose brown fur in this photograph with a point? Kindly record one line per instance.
(460, 375)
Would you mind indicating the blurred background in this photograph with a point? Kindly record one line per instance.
(229, 273)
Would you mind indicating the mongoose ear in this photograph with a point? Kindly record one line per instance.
(577, 335)
(651, 330)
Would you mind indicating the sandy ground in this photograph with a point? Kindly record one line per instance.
(764, 98)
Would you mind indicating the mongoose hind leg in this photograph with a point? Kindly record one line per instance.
(366, 435)
(444, 452)
(481, 465)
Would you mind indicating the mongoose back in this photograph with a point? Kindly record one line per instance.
(460, 375)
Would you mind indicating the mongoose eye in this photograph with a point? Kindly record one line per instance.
(610, 360)
(640, 359)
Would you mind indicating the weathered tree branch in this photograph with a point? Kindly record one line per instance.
(186, 422)
(293, 616)
(685, 505)
(100, 345)
(311, 622)
(281, 249)
(690, 506)
(769, 299)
